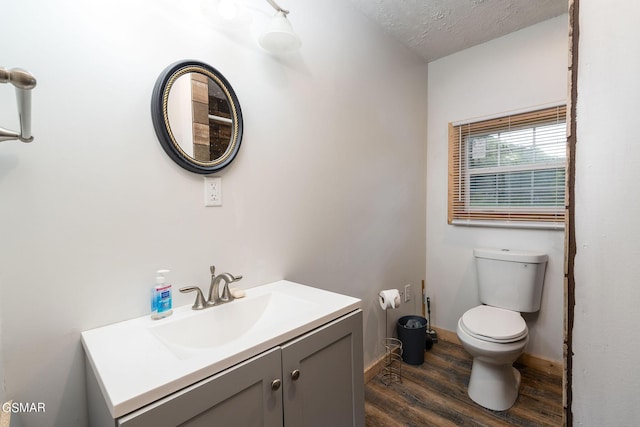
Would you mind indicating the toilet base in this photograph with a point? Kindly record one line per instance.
(493, 386)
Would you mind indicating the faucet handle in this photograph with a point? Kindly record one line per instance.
(199, 304)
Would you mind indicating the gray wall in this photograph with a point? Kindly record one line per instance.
(605, 344)
(328, 188)
(522, 70)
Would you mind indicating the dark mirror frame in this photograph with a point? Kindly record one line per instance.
(159, 115)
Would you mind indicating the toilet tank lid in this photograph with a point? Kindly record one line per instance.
(532, 257)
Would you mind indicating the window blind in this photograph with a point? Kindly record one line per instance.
(510, 168)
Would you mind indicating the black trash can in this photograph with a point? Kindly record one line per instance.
(412, 332)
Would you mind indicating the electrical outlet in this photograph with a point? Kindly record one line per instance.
(213, 191)
(407, 293)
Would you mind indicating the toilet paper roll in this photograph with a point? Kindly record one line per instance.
(389, 298)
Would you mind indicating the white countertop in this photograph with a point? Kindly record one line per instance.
(134, 366)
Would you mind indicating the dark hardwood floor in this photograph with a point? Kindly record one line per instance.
(435, 394)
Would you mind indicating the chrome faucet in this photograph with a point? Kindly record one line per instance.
(214, 290)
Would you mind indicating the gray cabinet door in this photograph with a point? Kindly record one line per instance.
(328, 388)
(239, 396)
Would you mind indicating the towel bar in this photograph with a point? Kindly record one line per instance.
(23, 82)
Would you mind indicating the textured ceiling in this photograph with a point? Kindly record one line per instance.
(437, 28)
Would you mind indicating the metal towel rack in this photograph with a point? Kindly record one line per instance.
(24, 82)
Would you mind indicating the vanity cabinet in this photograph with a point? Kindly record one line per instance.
(313, 380)
(323, 376)
(239, 396)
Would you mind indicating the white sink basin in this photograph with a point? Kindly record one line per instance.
(220, 325)
(139, 361)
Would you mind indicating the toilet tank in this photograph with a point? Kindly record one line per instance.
(510, 279)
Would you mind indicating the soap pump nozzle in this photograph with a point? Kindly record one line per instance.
(160, 279)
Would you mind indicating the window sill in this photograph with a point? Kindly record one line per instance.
(532, 225)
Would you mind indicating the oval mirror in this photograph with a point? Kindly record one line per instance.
(196, 116)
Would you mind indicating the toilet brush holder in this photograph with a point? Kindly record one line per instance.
(428, 341)
(430, 331)
(433, 335)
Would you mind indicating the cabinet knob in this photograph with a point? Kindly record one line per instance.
(295, 374)
(275, 384)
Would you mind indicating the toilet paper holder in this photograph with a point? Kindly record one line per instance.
(392, 363)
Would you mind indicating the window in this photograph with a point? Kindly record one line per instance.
(509, 170)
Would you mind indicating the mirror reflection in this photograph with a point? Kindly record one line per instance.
(200, 117)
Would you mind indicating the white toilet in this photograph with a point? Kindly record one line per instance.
(494, 333)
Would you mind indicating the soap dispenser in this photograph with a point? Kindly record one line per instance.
(161, 301)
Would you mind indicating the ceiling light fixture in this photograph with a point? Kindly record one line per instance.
(279, 37)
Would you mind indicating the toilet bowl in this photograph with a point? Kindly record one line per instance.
(495, 338)
(494, 333)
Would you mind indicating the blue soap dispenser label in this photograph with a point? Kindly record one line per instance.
(154, 301)
(161, 299)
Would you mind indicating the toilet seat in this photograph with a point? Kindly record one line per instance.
(494, 324)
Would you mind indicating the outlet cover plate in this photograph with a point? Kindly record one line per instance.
(213, 191)
(407, 293)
